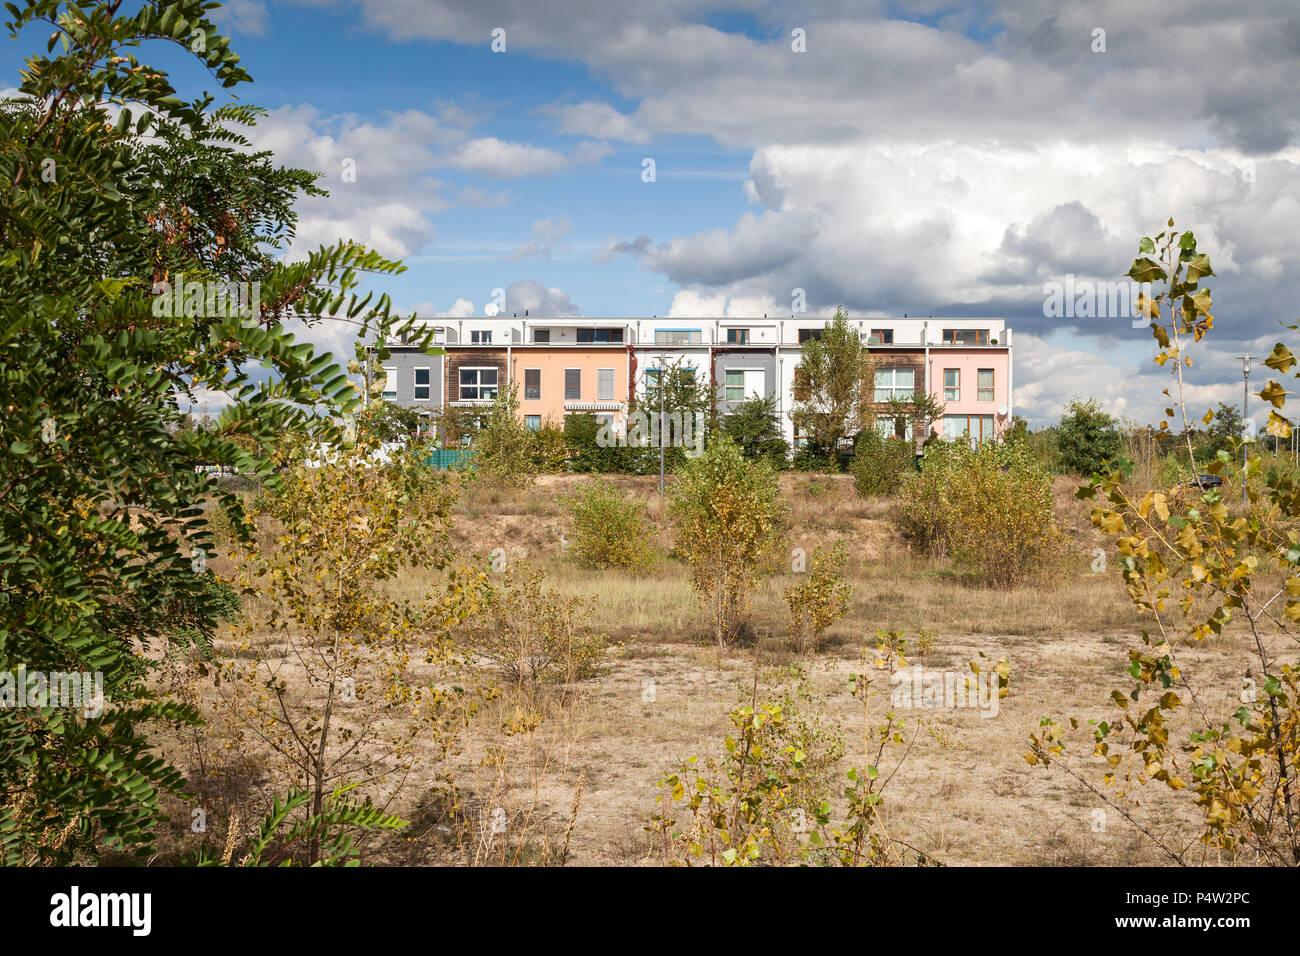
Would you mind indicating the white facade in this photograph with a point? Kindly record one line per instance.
(653, 342)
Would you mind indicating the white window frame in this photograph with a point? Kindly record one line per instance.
(390, 382)
(951, 393)
(991, 388)
(600, 385)
(893, 389)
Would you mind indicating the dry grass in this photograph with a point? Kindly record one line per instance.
(582, 786)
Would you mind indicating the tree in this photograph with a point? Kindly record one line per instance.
(755, 427)
(1197, 571)
(1223, 432)
(125, 216)
(343, 701)
(727, 516)
(1086, 438)
(833, 387)
(504, 445)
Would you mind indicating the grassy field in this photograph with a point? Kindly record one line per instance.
(581, 788)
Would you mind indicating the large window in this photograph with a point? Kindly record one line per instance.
(735, 387)
(977, 427)
(984, 385)
(599, 336)
(572, 384)
(652, 386)
(541, 336)
(965, 336)
(532, 384)
(390, 382)
(882, 336)
(480, 337)
(422, 385)
(895, 383)
(806, 334)
(743, 383)
(677, 336)
(478, 384)
(952, 385)
(604, 384)
(890, 427)
(738, 336)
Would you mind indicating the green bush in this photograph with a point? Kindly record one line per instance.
(609, 530)
(992, 509)
(879, 463)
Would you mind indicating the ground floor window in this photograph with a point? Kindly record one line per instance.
(978, 427)
(534, 422)
(889, 427)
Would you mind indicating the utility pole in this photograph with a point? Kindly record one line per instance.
(1245, 414)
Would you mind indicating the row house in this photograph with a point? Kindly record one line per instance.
(565, 366)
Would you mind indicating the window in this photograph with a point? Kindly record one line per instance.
(605, 384)
(677, 336)
(978, 427)
(743, 383)
(477, 337)
(952, 385)
(895, 383)
(422, 387)
(735, 389)
(572, 384)
(652, 386)
(806, 334)
(533, 422)
(542, 335)
(800, 385)
(883, 336)
(532, 384)
(965, 336)
(894, 427)
(599, 336)
(984, 385)
(390, 382)
(738, 336)
(478, 384)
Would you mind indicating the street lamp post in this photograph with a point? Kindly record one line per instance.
(661, 424)
(1245, 414)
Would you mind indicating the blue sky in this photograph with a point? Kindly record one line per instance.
(919, 157)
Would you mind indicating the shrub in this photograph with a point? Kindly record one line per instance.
(727, 514)
(608, 529)
(549, 453)
(532, 636)
(992, 509)
(756, 428)
(820, 599)
(879, 463)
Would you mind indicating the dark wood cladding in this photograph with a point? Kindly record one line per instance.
(899, 358)
(472, 358)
